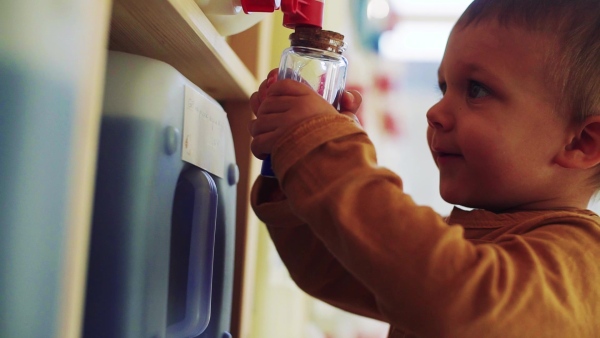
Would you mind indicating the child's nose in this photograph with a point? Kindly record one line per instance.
(439, 117)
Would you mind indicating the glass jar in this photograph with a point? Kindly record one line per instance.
(314, 58)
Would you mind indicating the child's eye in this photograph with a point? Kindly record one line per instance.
(442, 87)
(476, 90)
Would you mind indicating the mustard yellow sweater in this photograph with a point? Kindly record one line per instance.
(350, 236)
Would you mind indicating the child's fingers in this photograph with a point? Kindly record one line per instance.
(257, 97)
(262, 144)
(272, 76)
(264, 132)
(264, 125)
(273, 73)
(264, 86)
(254, 102)
(289, 87)
(351, 101)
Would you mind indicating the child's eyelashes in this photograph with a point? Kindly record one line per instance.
(442, 87)
(474, 89)
(477, 90)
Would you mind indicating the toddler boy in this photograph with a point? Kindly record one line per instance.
(516, 137)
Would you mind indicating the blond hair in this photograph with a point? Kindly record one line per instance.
(574, 67)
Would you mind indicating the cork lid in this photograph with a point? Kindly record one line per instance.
(314, 37)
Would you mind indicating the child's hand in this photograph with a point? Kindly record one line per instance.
(350, 103)
(279, 105)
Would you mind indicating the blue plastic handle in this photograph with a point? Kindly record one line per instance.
(266, 169)
(199, 287)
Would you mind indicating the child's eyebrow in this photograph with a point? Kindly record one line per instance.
(475, 69)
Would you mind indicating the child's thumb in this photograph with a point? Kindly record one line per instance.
(351, 101)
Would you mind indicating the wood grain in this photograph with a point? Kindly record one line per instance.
(178, 33)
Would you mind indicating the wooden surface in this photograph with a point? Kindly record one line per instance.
(238, 114)
(258, 60)
(178, 33)
(89, 84)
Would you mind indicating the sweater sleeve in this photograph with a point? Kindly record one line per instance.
(425, 277)
(310, 264)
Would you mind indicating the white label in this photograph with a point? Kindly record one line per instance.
(203, 132)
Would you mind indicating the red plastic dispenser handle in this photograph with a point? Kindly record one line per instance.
(302, 13)
(295, 12)
(260, 6)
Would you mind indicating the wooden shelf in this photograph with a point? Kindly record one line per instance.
(178, 33)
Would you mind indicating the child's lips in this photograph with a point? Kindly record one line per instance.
(442, 156)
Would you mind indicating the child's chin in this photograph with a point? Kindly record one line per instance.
(462, 201)
(453, 196)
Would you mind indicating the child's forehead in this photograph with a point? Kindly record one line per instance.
(490, 36)
(498, 28)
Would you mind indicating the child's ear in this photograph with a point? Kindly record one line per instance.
(583, 151)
